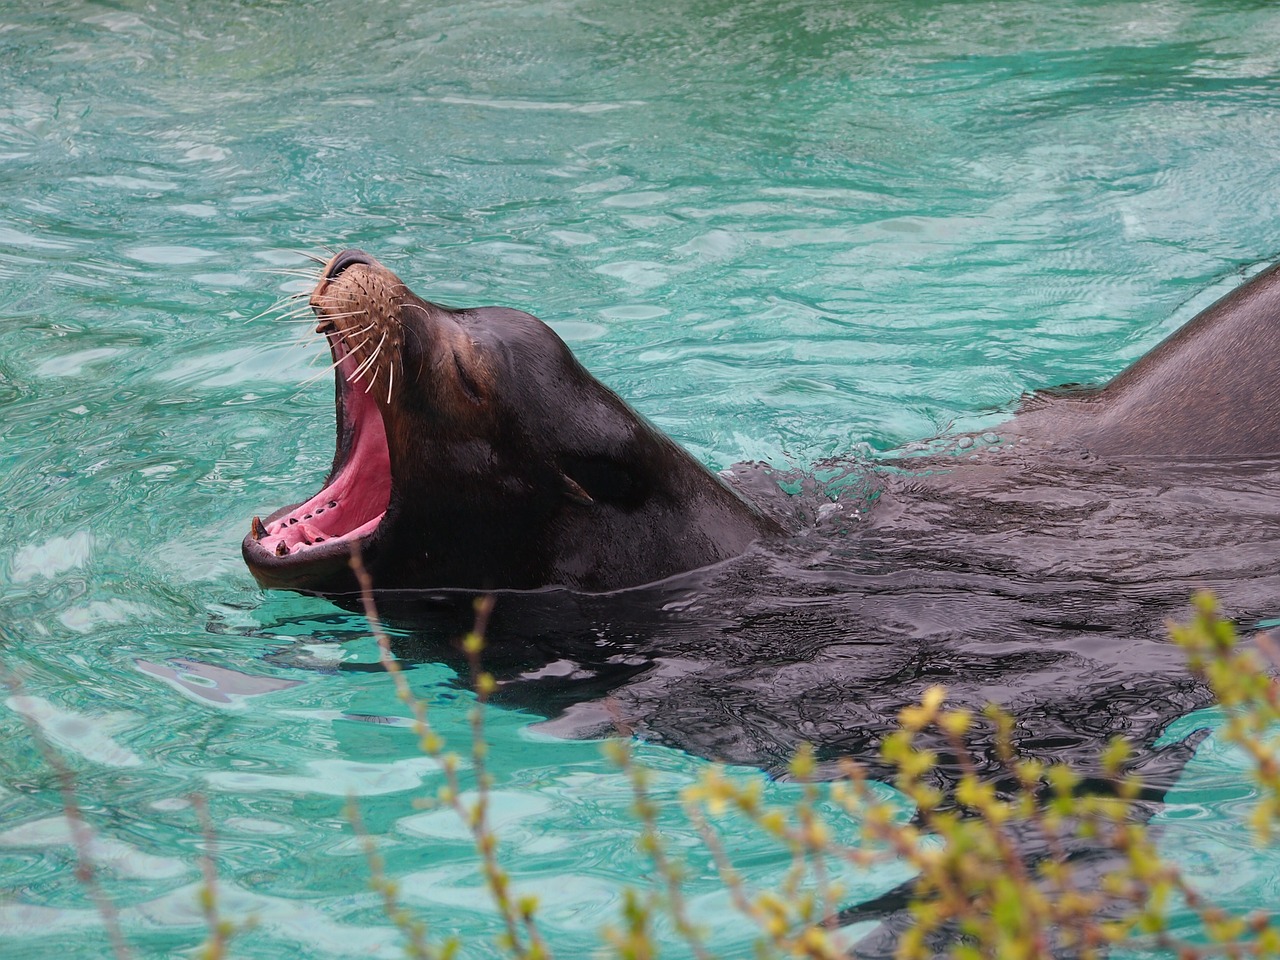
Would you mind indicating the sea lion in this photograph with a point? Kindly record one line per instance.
(474, 451)
(1206, 390)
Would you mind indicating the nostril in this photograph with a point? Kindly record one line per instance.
(346, 259)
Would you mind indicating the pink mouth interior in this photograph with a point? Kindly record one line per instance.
(354, 502)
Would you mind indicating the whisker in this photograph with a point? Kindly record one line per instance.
(293, 314)
(371, 364)
(340, 316)
(281, 272)
(356, 378)
(333, 366)
(312, 379)
(349, 335)
(363, 330)
(278, 305)
(412, 331)
(369, 360)
(296, 295)
(301, 338)
(415, 306)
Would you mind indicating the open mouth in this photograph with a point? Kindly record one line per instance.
(354, 500)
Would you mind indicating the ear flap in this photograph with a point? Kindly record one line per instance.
(573, 490)
(590, 480)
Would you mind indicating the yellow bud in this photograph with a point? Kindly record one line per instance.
(815, 942)
(802, 764)
(933, 697)
(956, 722)
(774, 823)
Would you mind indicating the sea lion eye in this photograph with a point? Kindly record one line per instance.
(469, 386)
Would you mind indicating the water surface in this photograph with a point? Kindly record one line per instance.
(785, 231)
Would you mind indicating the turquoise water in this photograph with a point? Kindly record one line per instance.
(784, 231)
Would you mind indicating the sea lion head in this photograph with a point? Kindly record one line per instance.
(474, 451)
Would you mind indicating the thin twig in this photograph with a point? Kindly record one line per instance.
(81, 836)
